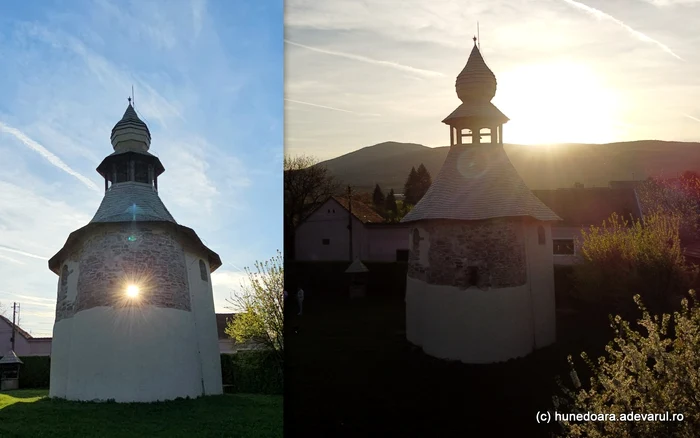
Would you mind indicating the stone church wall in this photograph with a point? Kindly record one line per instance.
(110, 260)
(448, 252)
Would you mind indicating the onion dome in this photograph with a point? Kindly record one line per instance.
(476, 83)
(131, 134)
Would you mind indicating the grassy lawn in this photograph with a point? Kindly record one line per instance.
(30, 413)
(351, 372)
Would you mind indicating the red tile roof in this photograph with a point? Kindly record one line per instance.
(19, 329)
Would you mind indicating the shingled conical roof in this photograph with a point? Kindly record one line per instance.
(478, 182)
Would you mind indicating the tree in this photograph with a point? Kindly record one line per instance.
(424, 182)
(390, 203)
(411, 188)
(621, 256)
(260, 303)
(306, 185)
(644, 373)
(679, 197)
(378, 198)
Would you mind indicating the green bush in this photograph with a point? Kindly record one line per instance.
(620, 257)
(254, 372)
(35, 372)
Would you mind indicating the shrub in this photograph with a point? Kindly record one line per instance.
(257, 371)
(622, 256)
(651, 373)
(35, 372)
(254, 372)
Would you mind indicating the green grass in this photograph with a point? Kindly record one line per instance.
(30, 413)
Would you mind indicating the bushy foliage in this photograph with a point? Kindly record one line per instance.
(257, 372)
(623, 256)
(645, 373)
(261, 302)
(679, 197)
(35, 372)
(390, 204)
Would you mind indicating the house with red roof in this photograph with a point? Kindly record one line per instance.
(342, 230)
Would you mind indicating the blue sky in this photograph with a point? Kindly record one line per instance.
(208, 79)
(595, 71)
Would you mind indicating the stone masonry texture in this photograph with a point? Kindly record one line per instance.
(113, 259)
(494, 247)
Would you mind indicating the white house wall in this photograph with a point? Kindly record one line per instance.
(22, 347)
(541, 282)
(384, 241)
(202, 297)
(332, 225)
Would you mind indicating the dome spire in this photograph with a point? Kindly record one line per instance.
(476, 83)
(131, 133)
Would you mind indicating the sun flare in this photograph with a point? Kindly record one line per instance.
(132, 291)
(561, 102)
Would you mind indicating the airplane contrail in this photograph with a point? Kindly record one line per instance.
(20, 252)
(48, 155)
(692, 118)
(331, 108)
(395, 65)
(639, 35)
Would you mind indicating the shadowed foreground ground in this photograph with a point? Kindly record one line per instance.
(28, 413)
(351, 372)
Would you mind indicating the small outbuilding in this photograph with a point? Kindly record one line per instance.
(9, 371)
(359, 274)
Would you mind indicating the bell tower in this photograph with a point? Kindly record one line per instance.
(476, 120)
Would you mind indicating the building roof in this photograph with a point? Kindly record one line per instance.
(363, 212)
(129, 201)
(222, 322)
(356, 267)
(19, 329)
(478, 182)
(590, 206)
(9, 358)
(483, 111)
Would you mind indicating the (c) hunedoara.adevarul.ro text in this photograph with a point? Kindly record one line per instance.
(546, 417)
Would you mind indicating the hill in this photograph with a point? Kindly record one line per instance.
(541, 167)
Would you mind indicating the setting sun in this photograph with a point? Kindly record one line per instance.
(558, 102)
(132, 291)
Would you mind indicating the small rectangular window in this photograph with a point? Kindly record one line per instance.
(563, 246)
(401, 255)
(326, 241)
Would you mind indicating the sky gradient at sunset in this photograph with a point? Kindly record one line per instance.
(361, 73)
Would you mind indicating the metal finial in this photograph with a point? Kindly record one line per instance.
(474, 40)
(129, 99)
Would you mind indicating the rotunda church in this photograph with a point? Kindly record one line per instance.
(135, 318)
(480, 286)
